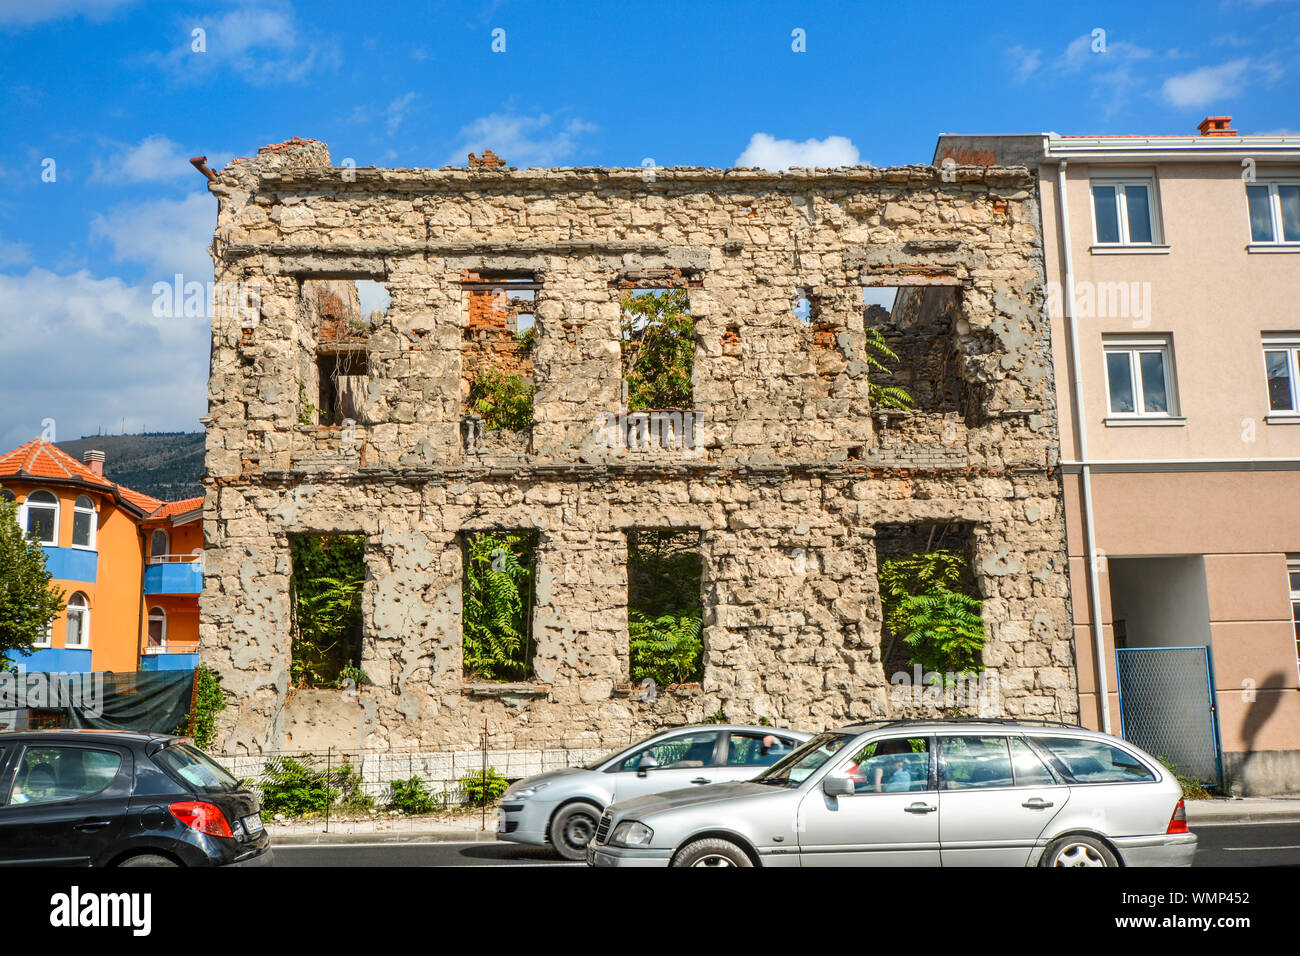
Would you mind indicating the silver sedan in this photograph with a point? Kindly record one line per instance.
(561, 807)
(920, 793)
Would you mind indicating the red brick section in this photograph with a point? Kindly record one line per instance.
(489, 160)
(971, 157)
(489, 343)
(1217, 126)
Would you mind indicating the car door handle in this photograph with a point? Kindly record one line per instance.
(91, 824)
(701, 780)
(920, 808)
(1038, 803)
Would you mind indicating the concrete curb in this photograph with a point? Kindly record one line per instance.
(291, 837)
(1257, 810)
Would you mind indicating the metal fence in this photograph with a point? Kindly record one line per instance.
(1167, 707)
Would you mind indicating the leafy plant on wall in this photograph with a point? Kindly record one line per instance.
(504, 399)
(497, 609)
(665, 608)
(329, 574)
(877, 354)
(926, 607)
(658, 346)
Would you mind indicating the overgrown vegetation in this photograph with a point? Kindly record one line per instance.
(927, 606)
(483, 787)
(306, 407)
(878, 353)
(658, 346)
(209, 701)
(411, 797)
(28, 605)
(1193, 789)
(505, 400)
(329, 573)
(665, 607)
(299, 788)
(498, 604)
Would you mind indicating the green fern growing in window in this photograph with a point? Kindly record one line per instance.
(669, 648)
(877, 354)
(926, 607)
(497, 606)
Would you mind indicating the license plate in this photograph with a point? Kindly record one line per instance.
(253, 823)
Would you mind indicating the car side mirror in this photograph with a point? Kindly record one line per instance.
(837, 785)
(647, 762)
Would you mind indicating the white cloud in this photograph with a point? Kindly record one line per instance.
(166, 236)
(1204, 86)
(13, 253)
(153, 159)
(89, 352)
(1025, 62)
(521, 140)
(24, 13)
(767, 152)
(396, 111)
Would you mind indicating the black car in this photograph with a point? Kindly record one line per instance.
(106, 798)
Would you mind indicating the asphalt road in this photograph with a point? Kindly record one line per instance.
(1259, 844)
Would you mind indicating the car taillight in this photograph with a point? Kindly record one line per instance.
(204, 817)
(1178, 822)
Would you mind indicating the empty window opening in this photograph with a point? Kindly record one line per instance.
(911, 344)
(497, 360)
(665, 606)
(929, 599)
(497, 600)
(658, 348)
(325, 589)
(343, 312)
(803, 310)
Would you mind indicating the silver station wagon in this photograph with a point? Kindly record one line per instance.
(920, 793)
(562, 807)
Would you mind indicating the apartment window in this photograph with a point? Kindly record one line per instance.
(1140, 379)
(157, 627)
(42, 517)
(1274, 212)
(1123, 212)
(1293, 574)
(78, 633)
(158, 544)
(1282, 371)
(83, 523)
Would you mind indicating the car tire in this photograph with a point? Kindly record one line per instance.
(712, 852)
(572, 828)
(148, 859)
(1078, 850)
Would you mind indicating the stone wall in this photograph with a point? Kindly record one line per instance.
(790, 475)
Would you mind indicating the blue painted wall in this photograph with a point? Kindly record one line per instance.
(169, 662)
(54, 660)
(71, 564)
(186, 578)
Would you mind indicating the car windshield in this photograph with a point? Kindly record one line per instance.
(195, 767)
(797, 766)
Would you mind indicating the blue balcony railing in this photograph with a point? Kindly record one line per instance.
(173, 574)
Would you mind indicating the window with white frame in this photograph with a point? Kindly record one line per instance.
(1282, 373)
(1123, 212)
(83, 523)
(1274, 212)
(1140, 378)
(157, 627)
(41, 517)
(78, 633)
(45, 639)
(158, 544)
(1293, 574)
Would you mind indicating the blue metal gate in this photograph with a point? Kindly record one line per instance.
(1166, 705)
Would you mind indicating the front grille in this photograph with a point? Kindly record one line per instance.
(602, 829)
(512, 807)
(510, 826)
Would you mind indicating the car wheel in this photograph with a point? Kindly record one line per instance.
(572, 829)
(1079, 851)
(148, 859)
(712, 852)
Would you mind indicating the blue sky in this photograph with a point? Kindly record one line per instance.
(105, 100)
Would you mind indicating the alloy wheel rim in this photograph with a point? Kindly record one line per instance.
(713, 859)
(1079, 854)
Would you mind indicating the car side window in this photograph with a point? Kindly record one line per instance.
(1029, 769)
(976, 762)
(895, 765)
(51, 774)
(1095, 761)
(757, 750)
(675, 753)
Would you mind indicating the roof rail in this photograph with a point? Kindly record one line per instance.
(995, 721)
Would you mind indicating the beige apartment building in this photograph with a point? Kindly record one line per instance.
(1173, 267)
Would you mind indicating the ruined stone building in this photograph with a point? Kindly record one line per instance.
(326, 418)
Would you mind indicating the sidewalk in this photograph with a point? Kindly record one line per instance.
(440, 829)
(1283, 809)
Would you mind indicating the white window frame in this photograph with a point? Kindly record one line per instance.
(94, 523)
(1291, 345)
(156, 648)
(1274, 213)
(1120, 184)
(1133, 348)
(58, 513)
(1293, 567)
(84, 610)
(47, 640)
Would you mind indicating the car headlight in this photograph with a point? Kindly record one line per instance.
(530, 790)
(632, 833)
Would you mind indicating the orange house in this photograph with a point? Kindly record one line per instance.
(130, 566)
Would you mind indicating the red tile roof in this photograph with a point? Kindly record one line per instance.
(39, 460)
(174, 509)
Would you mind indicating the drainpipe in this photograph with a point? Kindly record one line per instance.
(1085, 469)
